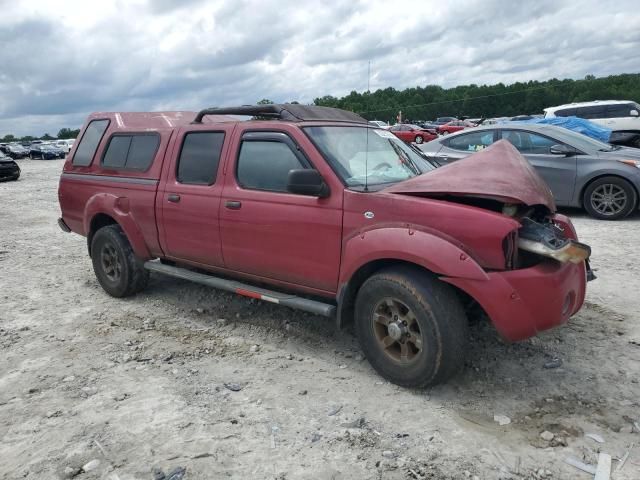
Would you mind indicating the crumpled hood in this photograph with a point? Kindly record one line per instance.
(498, 172)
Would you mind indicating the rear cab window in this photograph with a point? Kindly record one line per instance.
(134, 151)
(89, 143)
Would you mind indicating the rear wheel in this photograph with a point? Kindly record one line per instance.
(419, 139)
(411, 326)
(118, 270)
(609, 198)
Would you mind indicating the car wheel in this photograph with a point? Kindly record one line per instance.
(411, 326)
(118, 270)
(609, 198)
(419, 139)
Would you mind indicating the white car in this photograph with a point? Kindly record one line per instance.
(65, 145)
(379, 123)
(621, 116)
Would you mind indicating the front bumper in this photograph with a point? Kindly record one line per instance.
(521, 303)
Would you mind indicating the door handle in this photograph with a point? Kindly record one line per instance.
(233, 204)
(173, 197)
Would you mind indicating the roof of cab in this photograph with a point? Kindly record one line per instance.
(155, 120)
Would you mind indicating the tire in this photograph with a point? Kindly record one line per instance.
(609, 198)
(431, 311)
(118, 270)
(419, 139)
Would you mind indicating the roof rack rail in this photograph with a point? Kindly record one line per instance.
(290, 112)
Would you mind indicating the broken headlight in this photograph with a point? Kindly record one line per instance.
(547, 240)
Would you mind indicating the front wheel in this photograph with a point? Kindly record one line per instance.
(419, 139)
(411, 326)
(609, 198)
(118, 270)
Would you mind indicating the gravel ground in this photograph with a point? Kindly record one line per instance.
(185, 376)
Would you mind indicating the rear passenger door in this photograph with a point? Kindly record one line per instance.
(189, 197)
(271, 233)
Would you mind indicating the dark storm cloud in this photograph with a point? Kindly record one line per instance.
(161, 54)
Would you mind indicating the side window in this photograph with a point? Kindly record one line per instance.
(131, 152)
(529, 143)
(265, 165)
(200, 157)
(472, 142)
(89, 142)
(619, 111)
(565, 112)
(596, 111)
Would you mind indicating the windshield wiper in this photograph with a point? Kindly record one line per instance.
(404, 158)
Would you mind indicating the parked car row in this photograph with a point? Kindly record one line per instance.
(37, 149)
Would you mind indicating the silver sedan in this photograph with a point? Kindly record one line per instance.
(581, 172)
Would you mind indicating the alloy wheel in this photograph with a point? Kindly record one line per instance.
(397, 331)
(609, 199)
(111, 263)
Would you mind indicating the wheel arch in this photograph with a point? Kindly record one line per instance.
(602, 175)
(105, 209)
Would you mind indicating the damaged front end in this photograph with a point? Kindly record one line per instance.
(547, 240)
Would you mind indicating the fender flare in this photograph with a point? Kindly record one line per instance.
(412, 245)
(118, 209)
(405, 244)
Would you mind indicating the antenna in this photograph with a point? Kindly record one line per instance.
(366, 151)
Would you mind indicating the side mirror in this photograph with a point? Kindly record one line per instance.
(633, 113)
(561, 149)
(307, 182)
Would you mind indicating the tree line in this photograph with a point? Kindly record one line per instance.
(64, 134)
(432, 101)
(499, 100)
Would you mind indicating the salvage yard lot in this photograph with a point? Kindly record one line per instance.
(182, 375)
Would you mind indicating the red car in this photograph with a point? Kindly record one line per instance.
(310, 208)
(413, 133)
(454, 126)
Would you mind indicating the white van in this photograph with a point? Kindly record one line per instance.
(621, 116)
(64, 145)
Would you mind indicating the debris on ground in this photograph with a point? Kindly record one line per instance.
(595, 437)
(603, 470)
(501, 419)
(333, 410)
(234, 387)
(574, 462)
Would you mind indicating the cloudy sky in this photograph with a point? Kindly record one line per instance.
(61, 60)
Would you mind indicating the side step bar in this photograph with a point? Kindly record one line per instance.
(312, 306)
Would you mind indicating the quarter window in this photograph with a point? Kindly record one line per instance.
(200, 157)
(596, 111)
(89, 143)
(131, 152)
(265, 165)
(471, 142)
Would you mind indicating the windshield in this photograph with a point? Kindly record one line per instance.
(364, 156)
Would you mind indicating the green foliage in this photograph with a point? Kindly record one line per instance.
(65, 133)
(265, 101)
(432, 101)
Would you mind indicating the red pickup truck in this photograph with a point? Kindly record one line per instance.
(312, 208)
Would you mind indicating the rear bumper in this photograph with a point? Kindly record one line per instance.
(521, 303)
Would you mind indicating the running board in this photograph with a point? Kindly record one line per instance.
(233, 286)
